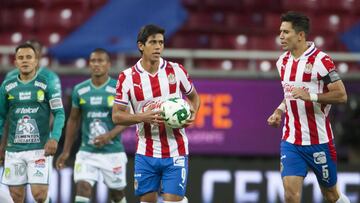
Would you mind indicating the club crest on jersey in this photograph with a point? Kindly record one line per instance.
(40, 95)
(110, 100)
(308, 68)
(171, 78)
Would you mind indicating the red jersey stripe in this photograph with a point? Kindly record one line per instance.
(294, 67)
(283, 66)
(331, 141)
(165, 150)
(139, 95)
(148, 140)
(287, 128)
(180, 142)
(314, 136)
(155, 85)
(297, 124)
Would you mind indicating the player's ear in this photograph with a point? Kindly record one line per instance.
(140, 46)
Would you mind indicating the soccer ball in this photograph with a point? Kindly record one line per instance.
(175, 112)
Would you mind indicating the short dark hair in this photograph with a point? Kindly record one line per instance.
(103, 51)
(25, 45)
(299, 21)
(147, 31)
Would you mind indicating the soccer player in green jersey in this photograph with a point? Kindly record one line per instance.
(101, 151)
(27, 102)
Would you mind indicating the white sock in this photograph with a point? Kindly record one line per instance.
(343, 199)
(5, 197)
(123, 200)
(81, 199)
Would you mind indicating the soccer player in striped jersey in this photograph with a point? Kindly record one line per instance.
(27, 101)
(161, 160)
(101, 151)
(311, 84)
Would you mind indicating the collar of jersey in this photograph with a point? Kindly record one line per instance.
(101, 86)
(140, 69)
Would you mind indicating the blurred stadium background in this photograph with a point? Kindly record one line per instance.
(230, 48)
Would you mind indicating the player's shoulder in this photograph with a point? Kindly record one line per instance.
(83, 86)
(112, 82)
(47, 72)
(12, 73)
(9, 81)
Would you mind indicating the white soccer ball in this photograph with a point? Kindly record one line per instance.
(176, 112)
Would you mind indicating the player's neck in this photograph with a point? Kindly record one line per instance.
(299, 50)
(99, 81)
(149, 65)
(27, 77)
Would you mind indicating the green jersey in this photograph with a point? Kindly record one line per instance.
(51, 75)
(95, 105)
(28, 105)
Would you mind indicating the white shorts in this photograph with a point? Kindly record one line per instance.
(26, 167)
(112, 166)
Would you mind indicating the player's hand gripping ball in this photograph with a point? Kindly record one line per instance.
(176, 112)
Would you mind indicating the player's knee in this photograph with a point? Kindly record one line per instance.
(292, 196)
(83, 188)
(331, 196)
(117, 195)
(40, 196)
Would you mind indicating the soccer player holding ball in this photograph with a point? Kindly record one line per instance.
(161, 160)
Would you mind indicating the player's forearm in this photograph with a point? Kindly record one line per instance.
(116, 131)
(59, 120)
(332, 97)
(194, 100)
(125, 118)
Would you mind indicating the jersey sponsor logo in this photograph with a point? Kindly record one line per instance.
(96, 100)
(83, 90)
(93, 114)
(153, 104)
(179, 161)
(38, 174)
(110, 89)
(288, 88)
(56, 103)
(27, 131)
(7, 172)
(319, 157)
(27, 110)
(24, 95)
(40, 84)
(11, 86)
(110, 101)
(117, 170)
(40, 163)
(40, 95)
(171, 78)
(97, 128)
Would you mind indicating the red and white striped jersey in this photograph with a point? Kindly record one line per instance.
(306, 122)
(141, 89)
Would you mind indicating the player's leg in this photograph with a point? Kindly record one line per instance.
(38, 171)
(322, 160)
(14, 175)
(147, 177)
(113, 169)
(40, 193)
(293, 170)
(174, 179)
(85, 176)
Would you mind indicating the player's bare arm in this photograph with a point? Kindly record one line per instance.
(335, 95)
(121, 117)
(194, 101)
(72, 126)
(104, 139)
(275, 119)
